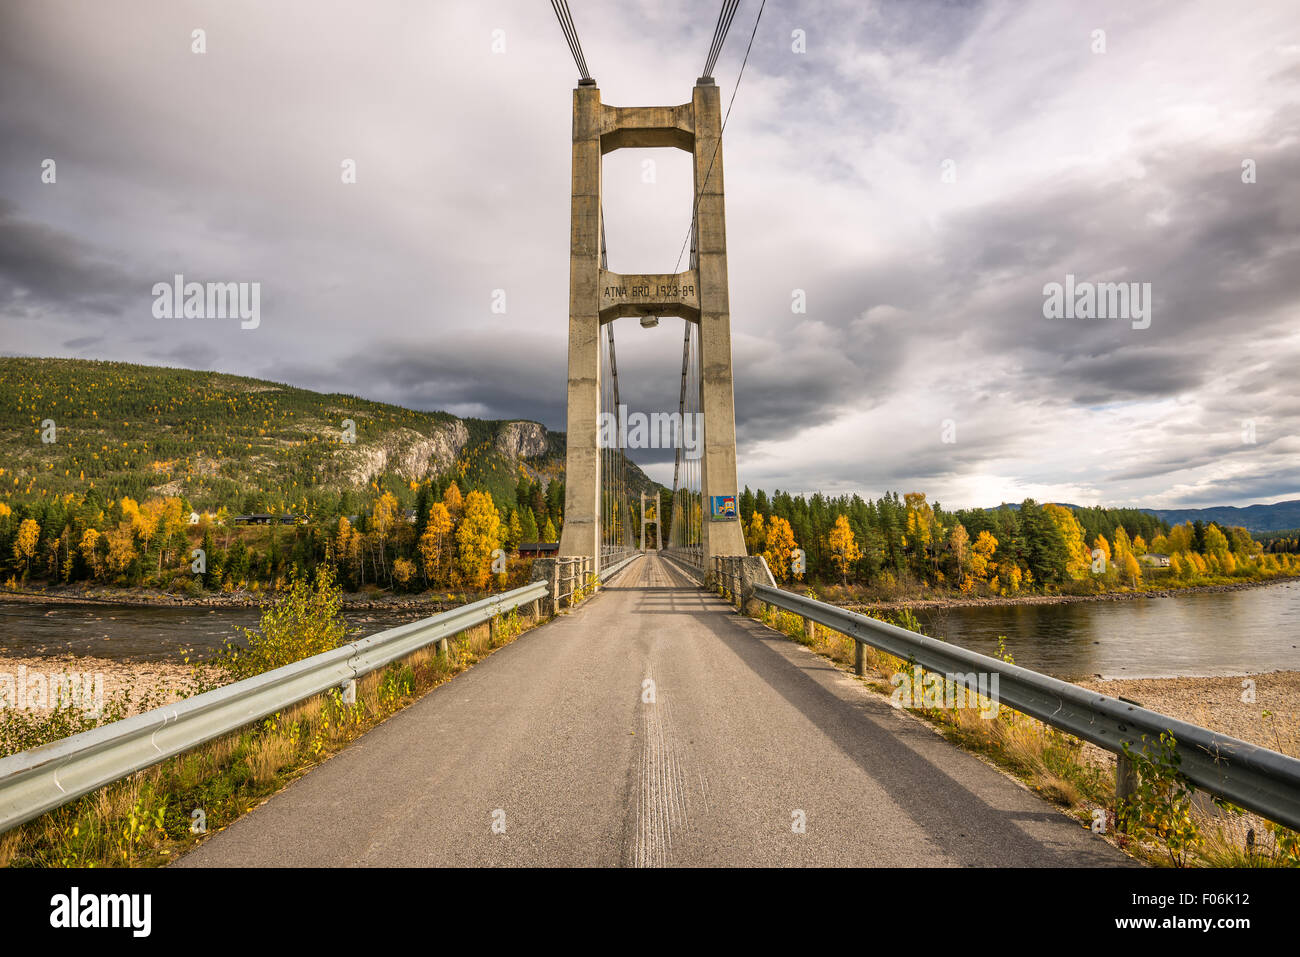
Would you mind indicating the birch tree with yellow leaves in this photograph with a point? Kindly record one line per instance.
(780, 545)
(477, 536)
(434, 544)
(843, 547)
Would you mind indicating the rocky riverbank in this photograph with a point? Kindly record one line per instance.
(148, 683)
(364, 601)
(1269, 716)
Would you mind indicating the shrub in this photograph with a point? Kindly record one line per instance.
(302, 622)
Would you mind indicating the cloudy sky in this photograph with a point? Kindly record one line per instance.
(920, 171)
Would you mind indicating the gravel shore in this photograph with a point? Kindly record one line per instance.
(160, 679)
(1216, 703)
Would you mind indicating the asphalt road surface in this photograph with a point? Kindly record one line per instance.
(653, 726)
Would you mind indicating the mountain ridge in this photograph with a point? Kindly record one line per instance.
(67, 425)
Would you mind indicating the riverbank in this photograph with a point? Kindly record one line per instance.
(1269, 717)
(919, 604)
(149, 598)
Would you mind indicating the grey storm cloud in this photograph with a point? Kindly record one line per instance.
(924, 299)
(47, 270)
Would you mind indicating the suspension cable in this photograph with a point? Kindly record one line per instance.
(725, 15)
(696, 207)
(561, 8)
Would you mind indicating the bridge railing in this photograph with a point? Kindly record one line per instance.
(613, 554)
(609, 571)
(33, 782)
(1246, 774)
(692, 555)
(573, 574)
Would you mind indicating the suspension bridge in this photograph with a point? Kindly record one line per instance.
(650, 724)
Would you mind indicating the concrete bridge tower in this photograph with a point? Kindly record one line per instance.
(698, 295)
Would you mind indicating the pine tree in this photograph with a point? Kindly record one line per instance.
(528, 523)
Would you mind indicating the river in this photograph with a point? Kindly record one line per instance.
(143, 632)
(1201, 634)
(1198, 634)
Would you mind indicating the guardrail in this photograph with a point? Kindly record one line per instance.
(33, 782)
(1246, 774)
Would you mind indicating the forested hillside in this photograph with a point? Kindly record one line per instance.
(113, 473)
(248, 445)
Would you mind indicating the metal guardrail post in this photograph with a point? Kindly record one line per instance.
(1126, 778)
(859, 658)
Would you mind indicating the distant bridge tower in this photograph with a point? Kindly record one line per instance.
(698, 295)
(658, 539)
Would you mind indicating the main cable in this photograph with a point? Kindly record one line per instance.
(725, 16)
(696, 208)
(561, 8)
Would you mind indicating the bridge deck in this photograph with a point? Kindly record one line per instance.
(746, 729)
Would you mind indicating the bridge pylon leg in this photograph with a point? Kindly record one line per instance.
(722, 535)
(581, 535)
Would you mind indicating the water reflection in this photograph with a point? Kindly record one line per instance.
(1213, 633)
